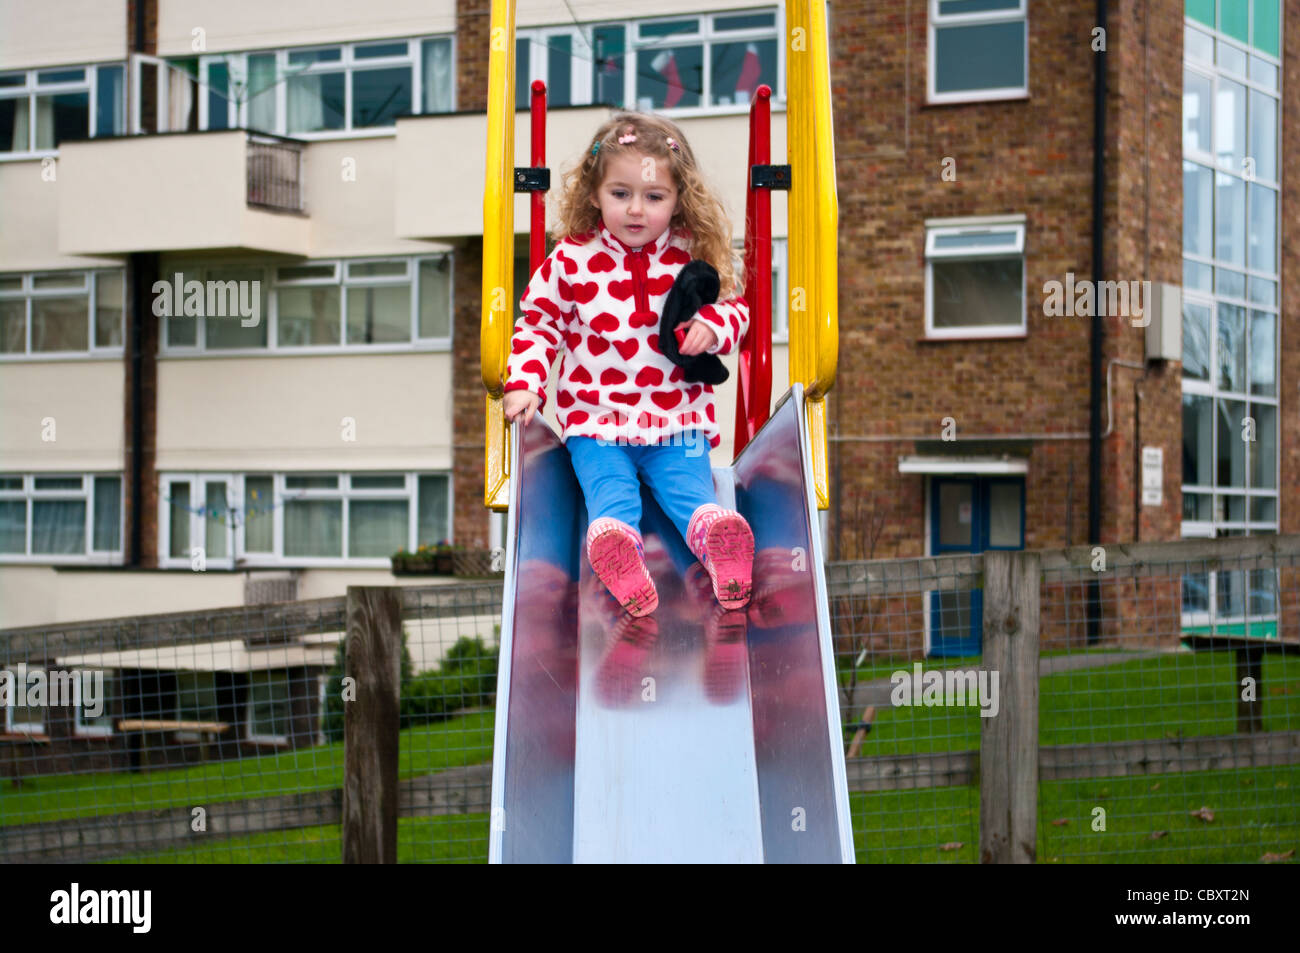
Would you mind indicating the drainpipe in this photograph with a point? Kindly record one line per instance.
(1098, 270)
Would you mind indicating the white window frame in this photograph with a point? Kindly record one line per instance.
(271, 282)
(89, 288)
(936, 21)
(85, 493)
(270, 675)
(634, 46)
(197, 520)
(236, 490)
(82, 729)
(20, 671)
(31, 88)
(935, 228)
(347, 64)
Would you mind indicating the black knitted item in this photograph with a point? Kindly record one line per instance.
(697, 284)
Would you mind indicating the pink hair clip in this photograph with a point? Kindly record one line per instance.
(624, 140)
(672, 144)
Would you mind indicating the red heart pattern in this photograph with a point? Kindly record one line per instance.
(604, 323)
(587, 284)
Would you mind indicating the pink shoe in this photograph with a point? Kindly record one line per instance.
(618, 558)
(722, 540)
(726, 654)
(623, 667)
(783, 595)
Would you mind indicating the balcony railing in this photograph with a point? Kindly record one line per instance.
(274, 173)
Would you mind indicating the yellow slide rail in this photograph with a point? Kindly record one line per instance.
(498, 249)
(814, 223)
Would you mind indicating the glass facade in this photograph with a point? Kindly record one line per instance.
(1231, 196)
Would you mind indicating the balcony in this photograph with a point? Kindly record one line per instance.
(229, 190)
(440, 161)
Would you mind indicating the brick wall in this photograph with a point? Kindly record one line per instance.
(1029, 156)
(470, 524)
(1289, 343)
(473, 30)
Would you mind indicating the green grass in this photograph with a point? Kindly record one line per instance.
(1254, 811)
(1169, 696)
(459, 839)
(459, 741)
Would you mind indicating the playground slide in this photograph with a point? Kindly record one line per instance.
(693, 734)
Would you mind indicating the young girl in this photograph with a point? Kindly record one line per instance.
(632, 213)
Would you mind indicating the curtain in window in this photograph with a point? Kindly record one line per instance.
(261, 92)
(180, 100)
(13, 526)
(306, 110)
(21, 113)
(59, 527)
(108, 513)
(377, 527)
(44, 122)
(259, 515)
(313, 528)
(437, 76)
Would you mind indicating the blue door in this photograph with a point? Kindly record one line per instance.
(970, 515)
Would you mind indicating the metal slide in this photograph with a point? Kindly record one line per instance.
(694, 734)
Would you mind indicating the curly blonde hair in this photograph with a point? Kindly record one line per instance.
(699, 213)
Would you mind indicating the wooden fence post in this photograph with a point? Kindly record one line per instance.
(1009, 739)
(370, 725)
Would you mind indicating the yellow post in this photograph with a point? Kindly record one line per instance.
(814, 223)
(498, 249)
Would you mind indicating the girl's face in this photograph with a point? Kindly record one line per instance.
(637, 198)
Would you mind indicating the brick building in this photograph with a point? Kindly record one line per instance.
(334, 154)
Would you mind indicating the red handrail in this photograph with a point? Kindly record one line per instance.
(754, 384)
(537, 222)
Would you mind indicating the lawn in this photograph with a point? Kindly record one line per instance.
(1168, 696)
(459, 741)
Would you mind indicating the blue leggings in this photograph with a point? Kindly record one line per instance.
(678, 474)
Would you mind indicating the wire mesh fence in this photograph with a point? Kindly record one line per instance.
(1166, 708)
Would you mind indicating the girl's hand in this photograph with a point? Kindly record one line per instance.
(523, 402)
(699, 338)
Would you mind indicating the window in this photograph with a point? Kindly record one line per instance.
(1231, 172)
(978, 50)
(334, 519)
(269, 707)
(65, 518)
(196, 696)
(39, 109)
(329, 90)
(381, 303)
(975, 278)
(780, 286)
(94, 716)
(698, 62)
(61, 313)
(19, 718)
